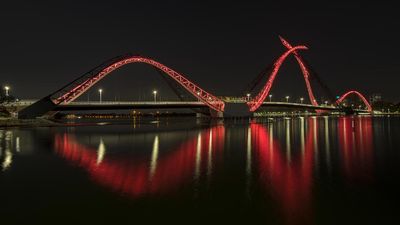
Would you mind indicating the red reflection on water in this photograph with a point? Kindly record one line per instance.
(289, 179)
(356, 146)
(133, 175)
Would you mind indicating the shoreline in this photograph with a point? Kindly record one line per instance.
(41, 122)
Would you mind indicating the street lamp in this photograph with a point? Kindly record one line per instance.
(270, 98)
(301, 100)
(248, 96)
(155, 95)
(100, 92)
(7, 89)
(287, 98)
(326, 102)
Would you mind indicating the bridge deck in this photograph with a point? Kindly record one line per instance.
(114, 105)
(129, 105)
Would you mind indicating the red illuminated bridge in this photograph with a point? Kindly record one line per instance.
(63, 98)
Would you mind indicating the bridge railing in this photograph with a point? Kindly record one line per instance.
(19, 103)
(298, 104)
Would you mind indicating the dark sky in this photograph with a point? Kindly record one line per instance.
(221, 46)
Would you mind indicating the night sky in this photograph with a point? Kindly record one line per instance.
(220, 46)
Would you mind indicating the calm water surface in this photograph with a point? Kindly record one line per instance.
(306, 170)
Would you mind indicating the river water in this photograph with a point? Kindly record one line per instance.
(303, 170)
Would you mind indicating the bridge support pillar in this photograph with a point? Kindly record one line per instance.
(237, 110)
(216, 114)
(200, 115)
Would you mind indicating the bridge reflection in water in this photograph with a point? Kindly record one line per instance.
(139, 176)
(285, 168)
(356, 145)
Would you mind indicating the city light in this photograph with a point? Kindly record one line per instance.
(7, 89)
(248, 96)
(287, 98)
(100, 94)
(198, 94)
(270, 98)
(301, 100)
(155, 95)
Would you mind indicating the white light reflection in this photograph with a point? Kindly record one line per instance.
(209, 162)
(17, 145)
(315, 142)
(8, 156)
(288, 144)
(198, 157)
(1, 142)
(271, 144)
(327, 144)
(359, 124)
(344, 134)
(7, 160)
(302, 137)
(353, 135)
(248, 161)
(101, 151)
(154, 157)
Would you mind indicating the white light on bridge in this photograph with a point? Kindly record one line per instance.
(287, 98)
(270, 98)
(155, 95)
(100, 93)
(7, 89)
(301, 100)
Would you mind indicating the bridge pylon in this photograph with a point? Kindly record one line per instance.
(40, 108)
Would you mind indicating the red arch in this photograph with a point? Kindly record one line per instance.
(369, 107)
(209, 99)
(304, 70)
(255, 103)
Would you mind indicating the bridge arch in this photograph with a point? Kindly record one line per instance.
(304, 70)
(257, 101)
(77, 90)
(353, 92)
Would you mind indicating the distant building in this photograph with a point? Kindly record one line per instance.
(375, 98)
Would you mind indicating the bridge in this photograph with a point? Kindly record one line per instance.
(105, 105)
(131, 105)
(63, 98)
